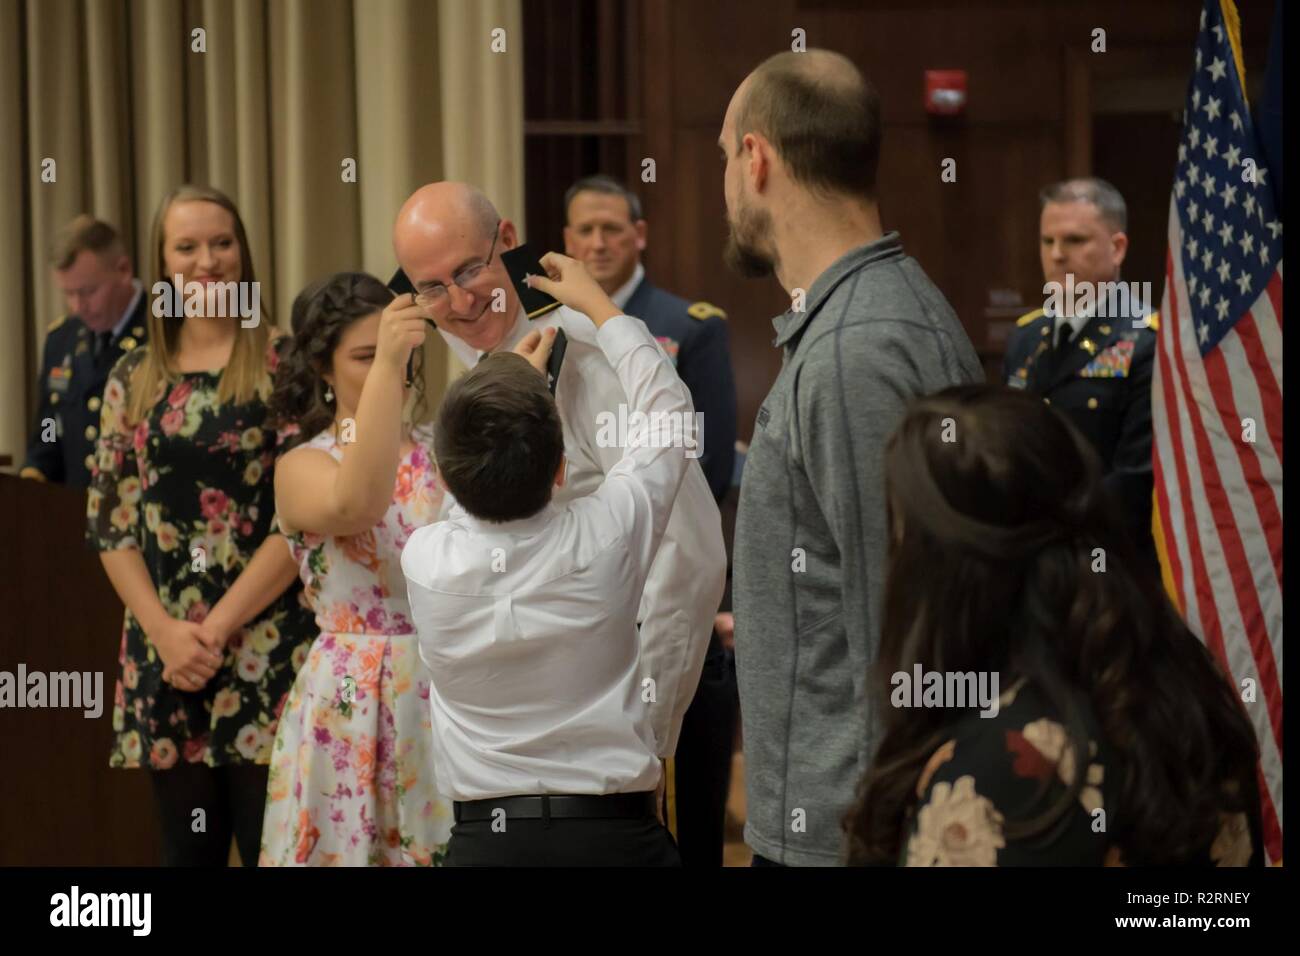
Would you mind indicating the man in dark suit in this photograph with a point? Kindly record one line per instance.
(1090, 352)
(606, 231)
(106, 318)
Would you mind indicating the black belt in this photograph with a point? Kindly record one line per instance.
(559, 805)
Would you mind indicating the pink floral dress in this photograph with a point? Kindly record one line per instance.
(351, 780)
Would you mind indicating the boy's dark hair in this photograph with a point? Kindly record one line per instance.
(498, 439)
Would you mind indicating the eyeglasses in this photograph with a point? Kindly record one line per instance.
(436, 297)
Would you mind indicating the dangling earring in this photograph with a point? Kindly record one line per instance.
(329, 395)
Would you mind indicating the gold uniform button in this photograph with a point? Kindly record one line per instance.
(128, 344)
(93, 403)
(1044, 330)
(1047, 401)
(90, 463)
(91, 432)
(1092, 403)
(54, 398)
(137, 331)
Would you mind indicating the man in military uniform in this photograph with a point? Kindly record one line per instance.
(605, 230)
(106, 318)
(1090, 351)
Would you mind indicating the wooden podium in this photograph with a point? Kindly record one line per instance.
(60, 804)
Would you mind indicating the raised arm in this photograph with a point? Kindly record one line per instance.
(683, 544)
(641, 488)
(315, 493)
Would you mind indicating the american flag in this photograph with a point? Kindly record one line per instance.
(1217, 394)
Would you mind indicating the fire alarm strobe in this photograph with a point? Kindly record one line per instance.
(945, 92)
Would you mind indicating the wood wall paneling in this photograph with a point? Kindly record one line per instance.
(62, 805)
(1041, 105)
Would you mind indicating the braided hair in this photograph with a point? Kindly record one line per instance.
(322, 312)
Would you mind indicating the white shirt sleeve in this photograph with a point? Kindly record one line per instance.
(685, 583)
(638, 492)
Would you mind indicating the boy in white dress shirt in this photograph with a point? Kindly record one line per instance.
(527, 610)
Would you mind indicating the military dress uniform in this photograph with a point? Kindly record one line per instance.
(695, 337)
(1101, 381)
(74, 370)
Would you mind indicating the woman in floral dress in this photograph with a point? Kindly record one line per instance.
(1104, 732)
(352, 780)
(181, 509)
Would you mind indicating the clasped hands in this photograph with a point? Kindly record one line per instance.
(191, 651)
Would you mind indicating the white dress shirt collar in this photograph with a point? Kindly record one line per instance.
(130, 309)
(624, 292)
(469, 355)
(519, 528)
(1077, 321)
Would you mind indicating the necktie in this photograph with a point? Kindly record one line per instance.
(101, 342)
(1063, 336)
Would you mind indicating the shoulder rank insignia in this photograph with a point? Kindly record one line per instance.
(705, 310)
(1026, 319)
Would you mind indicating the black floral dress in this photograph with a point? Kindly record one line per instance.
(191, 488)
(1017, 764)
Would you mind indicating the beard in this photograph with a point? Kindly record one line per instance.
(746, 236)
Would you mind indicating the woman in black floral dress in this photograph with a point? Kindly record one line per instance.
(181, 507)
(1116, 738)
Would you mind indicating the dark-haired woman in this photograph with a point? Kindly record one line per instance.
(1117, 738)
(180, 509)
(352, 780)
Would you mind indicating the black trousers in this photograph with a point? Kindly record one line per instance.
(563, 842)
(702, 764)
(232, 798)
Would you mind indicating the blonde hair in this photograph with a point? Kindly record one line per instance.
(245, 376)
